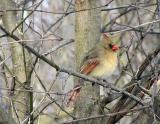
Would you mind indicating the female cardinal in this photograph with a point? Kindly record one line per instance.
(100, 61)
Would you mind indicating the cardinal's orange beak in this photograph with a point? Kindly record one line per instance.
(115, 47)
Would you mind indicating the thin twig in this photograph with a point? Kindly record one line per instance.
(107, 115)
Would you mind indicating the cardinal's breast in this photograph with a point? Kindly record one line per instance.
(107, 65)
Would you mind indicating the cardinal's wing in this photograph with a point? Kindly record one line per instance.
(91, 60)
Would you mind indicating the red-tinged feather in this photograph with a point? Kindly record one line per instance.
(85, 69)
(73, 94)
(89, 66)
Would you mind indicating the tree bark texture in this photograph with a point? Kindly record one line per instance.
(21, 62)
(87, 33)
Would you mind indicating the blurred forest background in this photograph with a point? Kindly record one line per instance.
(36, 34)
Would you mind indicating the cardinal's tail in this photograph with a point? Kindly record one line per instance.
(73, 94)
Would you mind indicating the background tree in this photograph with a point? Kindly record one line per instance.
(19, 101)
(87, 34)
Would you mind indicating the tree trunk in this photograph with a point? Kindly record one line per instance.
(21, 63)
(87, 33)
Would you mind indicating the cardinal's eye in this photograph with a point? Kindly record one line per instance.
(110, 45)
